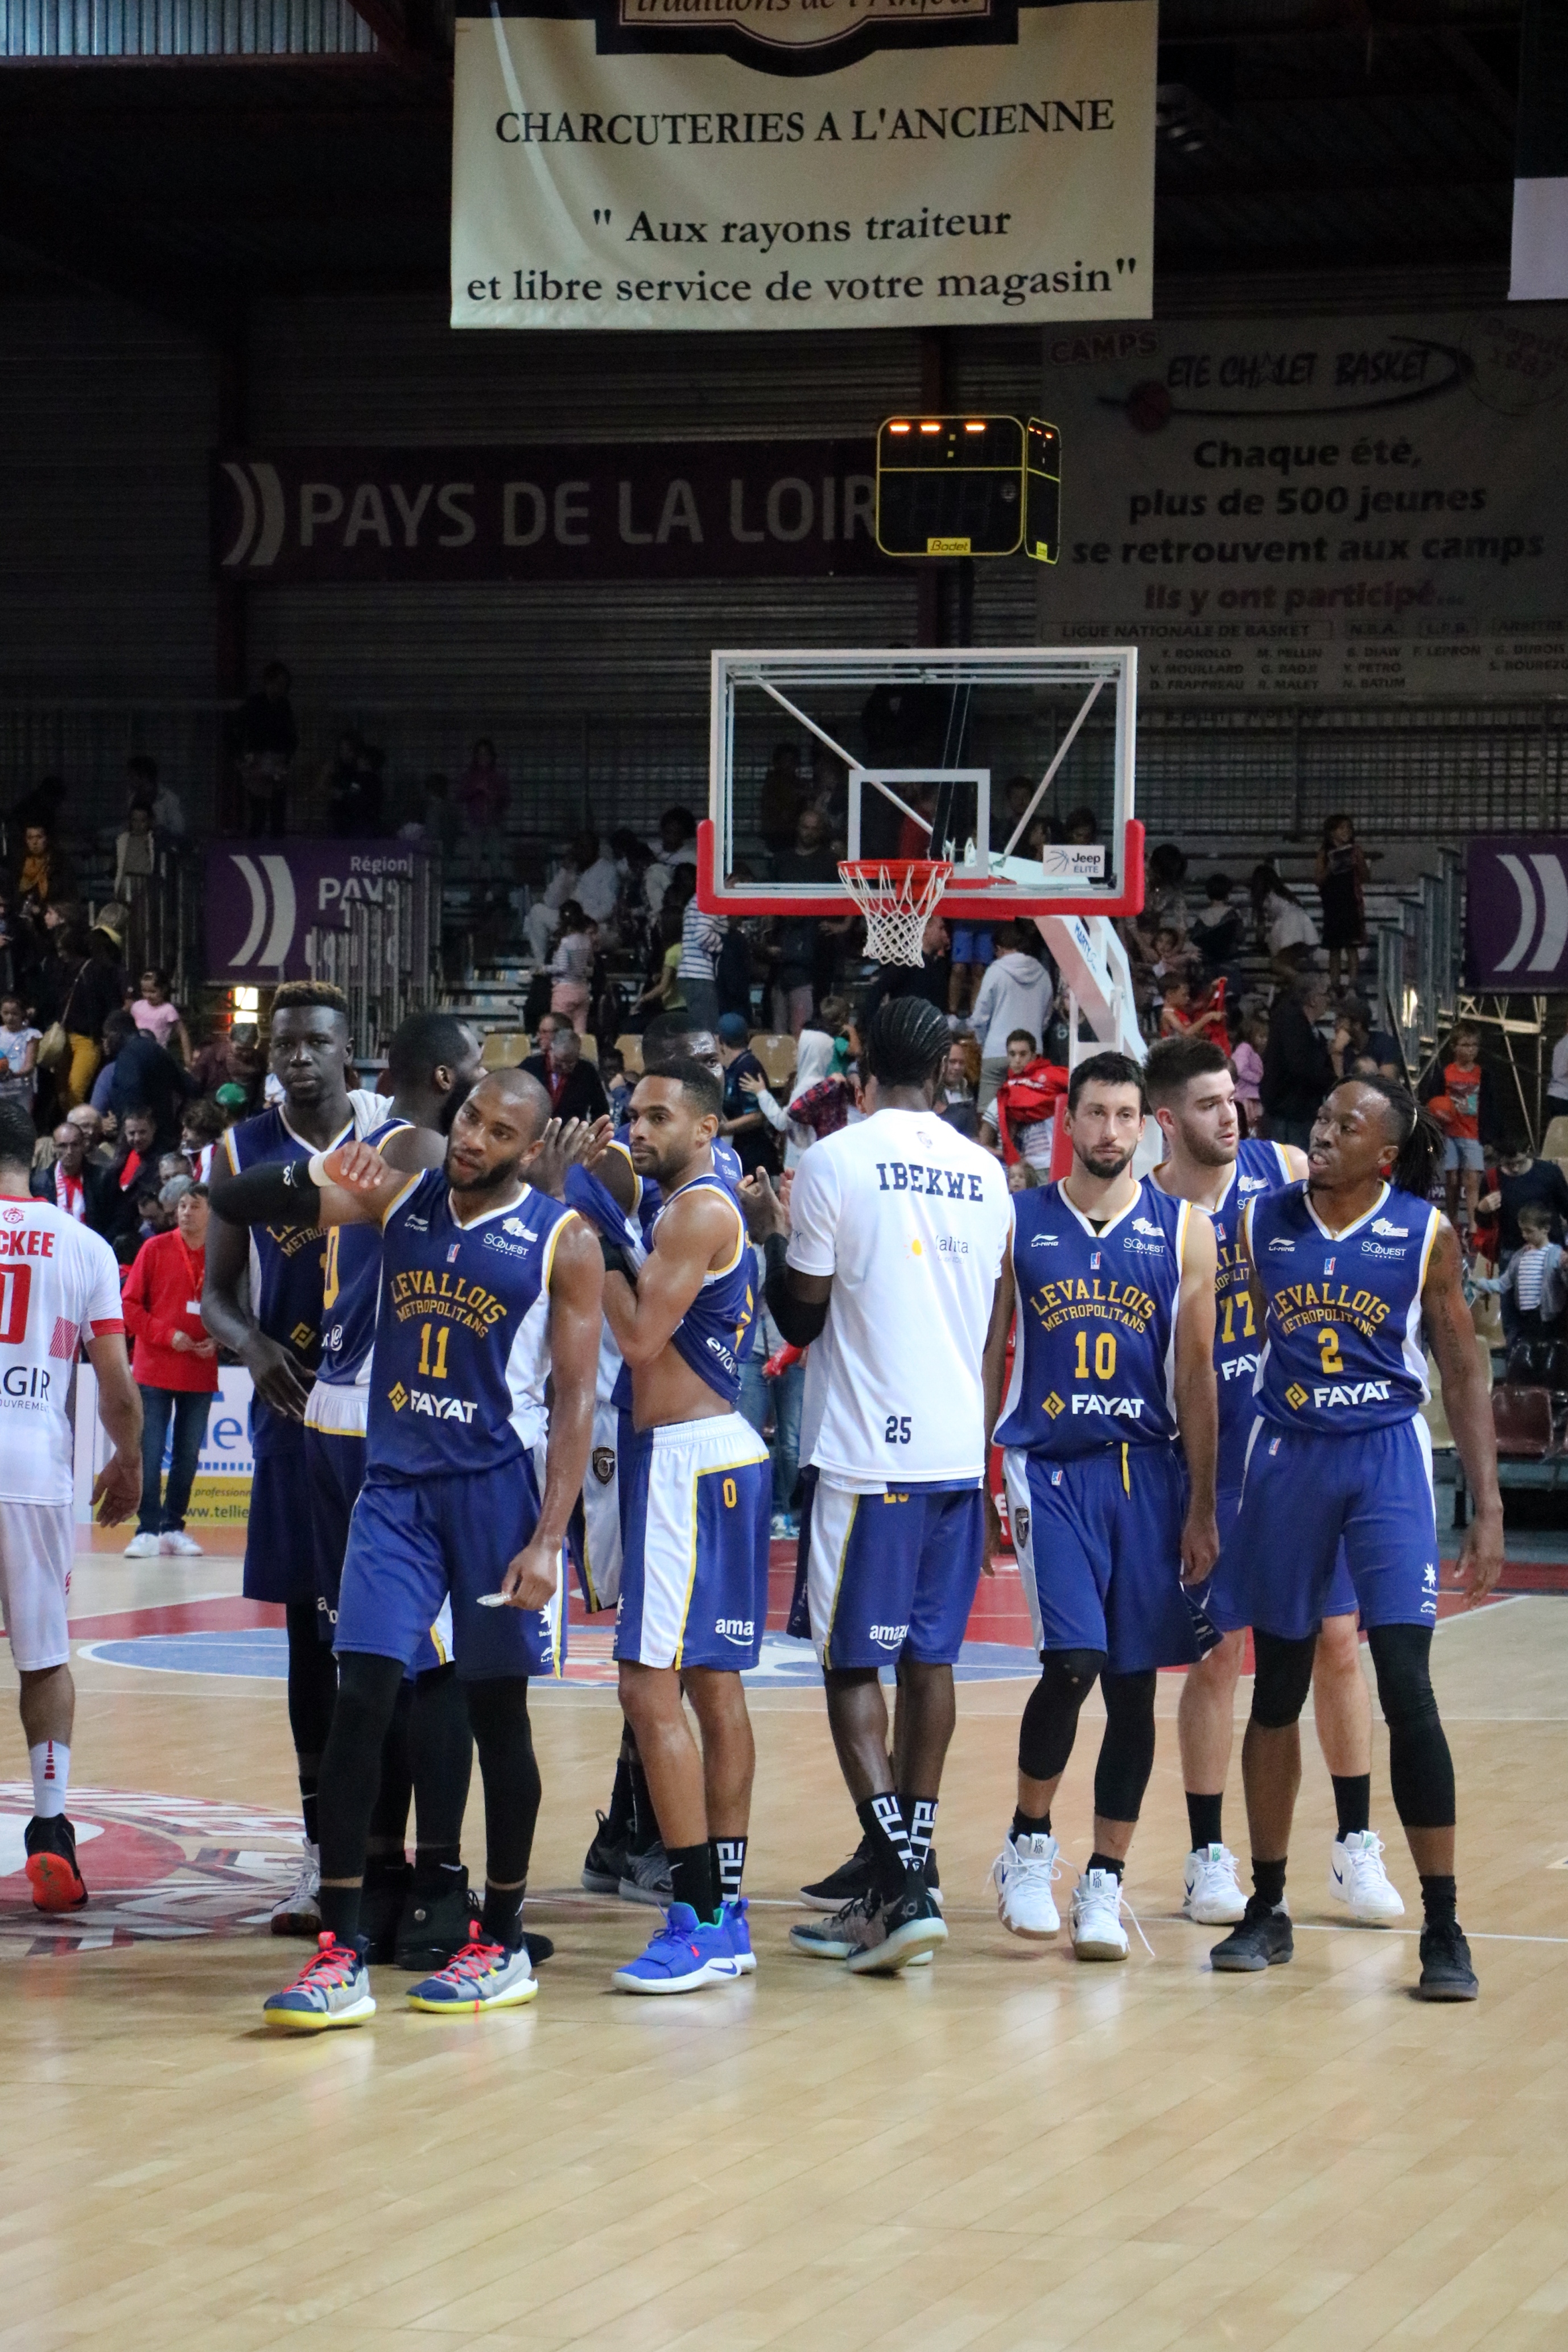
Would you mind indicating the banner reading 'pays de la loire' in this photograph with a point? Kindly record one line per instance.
(788, 164)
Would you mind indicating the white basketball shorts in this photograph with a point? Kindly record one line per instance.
(37, 1543)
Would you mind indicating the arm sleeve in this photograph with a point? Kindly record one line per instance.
(799, 1320)
(813, 1219)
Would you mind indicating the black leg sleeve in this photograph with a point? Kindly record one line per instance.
(351, 1767)
(1420, 1768)
(498, 1711)
(1127, 1750)
(442, 1753)
(1049, 1723)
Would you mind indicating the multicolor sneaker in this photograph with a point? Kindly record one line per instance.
(481, 1976)
(299, 1913)
(332, 1989)
(685, 1955)
(604, 1865)
(52, 1871)
(734, 1919)
(897, 1933)
(646, 1878)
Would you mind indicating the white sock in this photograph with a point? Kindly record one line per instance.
(51, 1763)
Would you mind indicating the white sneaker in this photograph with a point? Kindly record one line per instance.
(141, 1546)
(1022, 1874)
(1357, 1879)
(179, 1546)
(1097, 1930)
(299, 1913)
(1213, 1893)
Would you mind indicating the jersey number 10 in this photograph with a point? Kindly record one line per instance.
(1105, 1356)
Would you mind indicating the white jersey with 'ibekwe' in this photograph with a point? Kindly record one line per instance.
(913, 1223)
(59, 1284)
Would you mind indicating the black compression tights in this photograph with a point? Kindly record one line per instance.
(1420, 1768)
(312, 1685)
(498, 1711)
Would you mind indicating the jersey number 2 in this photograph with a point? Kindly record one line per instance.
(15, 1289)
(1328, 1347)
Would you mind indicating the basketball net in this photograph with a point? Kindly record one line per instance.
(897, 895)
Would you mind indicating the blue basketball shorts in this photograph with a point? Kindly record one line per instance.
(1306, 1495)
(694, 1579)
(279, 1549)
(335, 1470)
(412, 1545)
(892, 1575)
(594, 1535)
(1218, 1594)
(1099, 1552)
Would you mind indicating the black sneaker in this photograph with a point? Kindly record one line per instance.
(646, 1878)
(381, 1910)
(933, 1883)
(846, 1885)
(604, 1864)
(435, 1922)
(52, 1874)
(1446, 1970)
(897, 1933)
(1262, 1940)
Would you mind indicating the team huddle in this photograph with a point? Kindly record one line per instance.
(519, 1354)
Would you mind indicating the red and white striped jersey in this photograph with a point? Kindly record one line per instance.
(59, 1285)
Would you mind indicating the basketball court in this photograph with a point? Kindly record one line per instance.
(1008, 2148)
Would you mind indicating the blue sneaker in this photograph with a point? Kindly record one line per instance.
(735, 1921)
(332, 1989)
(683, 1956)
(481, 1976)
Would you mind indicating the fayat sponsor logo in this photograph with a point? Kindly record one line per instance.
(1334, 1396)
(1238, 1368)
(1115, 1408)
(435, 1408)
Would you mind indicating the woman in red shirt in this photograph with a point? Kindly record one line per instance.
(174, 1364)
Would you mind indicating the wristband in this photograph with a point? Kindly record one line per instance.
(316, 1168)
(614, 1258)
(298, 1177)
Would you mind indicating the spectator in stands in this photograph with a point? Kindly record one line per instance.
(1521, 1181)
(677, 842)
(1165, 900)
(97, 987)
(1458, 1092)
(742, 1123)
(1557, 1086)
(572, 1083)
(702, 936)
(135, 855)
(201, 1125)
(483, 793)
(1219, 933)
(542, 922)
(598, 890)
(780, 802)
(101, 1133)
(91, 1195)
(929, 978)
(772, 1385)
(156, 1017)
(142, 778)
(145, 1077)
(174, 1364)
(1363, 1042)
(1188, 1008)
(664, 991)
(355, 791)
(10, 935)
(1020, 1121)
(618, 1089)
(960, 1073)
(571, 966)
(810, 861)
(1248, 1064)
(1081, 826)
(235, 1060)
(265, 739)
(41, 806)
(1298, 1069)
(18, 1051)
(1284, 927)
(814, 1060)
(1532, 1282)
(1016, 994)
(1339, 873)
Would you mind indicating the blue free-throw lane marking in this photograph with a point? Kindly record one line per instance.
(261, 1653)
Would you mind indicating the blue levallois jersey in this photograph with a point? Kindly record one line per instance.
(462, 1350)
(285, 1263)
(1238, 1342)
(350, 1283)
(713, 1335)
(1343, 1331)
(1095, 1353)
(645, 1217)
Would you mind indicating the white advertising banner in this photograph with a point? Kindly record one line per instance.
(1338, 507)
(761, 164)
(220, 1495)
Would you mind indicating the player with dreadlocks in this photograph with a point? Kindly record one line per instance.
(889, 1264)
(1345, 1268)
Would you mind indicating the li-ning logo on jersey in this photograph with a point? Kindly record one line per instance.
(1279, 1243)
(416, 1224)
(1044, 1241)
(1390, 1232)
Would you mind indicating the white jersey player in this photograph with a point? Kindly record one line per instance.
(59, 1290)
(899, 1233)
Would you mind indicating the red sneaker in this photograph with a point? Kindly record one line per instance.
(52, 1874)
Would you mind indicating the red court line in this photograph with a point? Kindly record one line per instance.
(225, 1615)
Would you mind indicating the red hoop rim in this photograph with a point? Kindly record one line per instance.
(895, 868)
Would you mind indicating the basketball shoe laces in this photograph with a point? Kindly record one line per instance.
(473, 1959)
(332, 1964)
(1123, 1905)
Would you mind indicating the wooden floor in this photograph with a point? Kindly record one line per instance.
(1006, 2150)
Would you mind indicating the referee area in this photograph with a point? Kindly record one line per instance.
(1005, 2149)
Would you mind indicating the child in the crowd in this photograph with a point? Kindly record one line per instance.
(571, 965)
(1021, 1120)
(1534, 1276)
(617, 1084)
(1248, 1061)
(18, 1051)
(157, 1017)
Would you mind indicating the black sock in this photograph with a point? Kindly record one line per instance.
(644, 1821)
(1030, 1824)
(1203, 1817)
(618, 1820)
(501, 1921)
(1352, 1801)
(307, 1805)
(920, 1813)
(341, 1912)
(1269, 1882)
(729, 1866)
(1439, 1900)
(383, 1868)
(432, 1862)
(1098, 1861)
(693, 1879)
(881, 1819)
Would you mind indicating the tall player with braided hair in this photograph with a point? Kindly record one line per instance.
(891, 1272)
(1345, 1268)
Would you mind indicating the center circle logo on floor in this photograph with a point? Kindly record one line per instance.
(158, 1870)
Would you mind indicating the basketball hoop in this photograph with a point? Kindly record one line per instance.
(897, 895)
